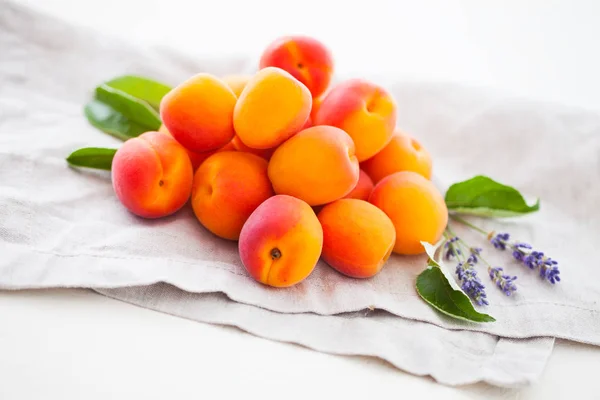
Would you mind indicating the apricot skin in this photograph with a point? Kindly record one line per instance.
(358, 238)
(363, 188)
(195, 158)
(237, 83)
(317, 165)
(280, 244)
(227, 188)
(152, 175)
(306, 58)
(199, 113)
(365, 111)
(402, 153)
(416, 208)
(272, 107)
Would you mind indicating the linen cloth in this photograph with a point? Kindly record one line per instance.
(63, 227)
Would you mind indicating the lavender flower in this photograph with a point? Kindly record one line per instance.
(500, 240)
(470, 283)
(524, 253)
(451, 249)
(504, 282)
(474, 253)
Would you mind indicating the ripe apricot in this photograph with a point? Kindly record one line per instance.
(306, 58)
(363, 188)
(416, 208)
(316, 165)
(358, 237)
(227, 188)
(365, 111)
(402, 153)
(195, 158)
(281, 242)
(199, 113)
(240, 146)
(237, 83)
(152, 175)
(272, 107)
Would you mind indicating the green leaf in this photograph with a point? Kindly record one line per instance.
(92, 157)
(434, 288)
(485, 197)
(109, 120)
(130, 107)
(141, 88)
(442, 293)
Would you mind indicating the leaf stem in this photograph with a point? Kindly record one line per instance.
(467, 223)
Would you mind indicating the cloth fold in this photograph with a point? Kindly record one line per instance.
(63, 227)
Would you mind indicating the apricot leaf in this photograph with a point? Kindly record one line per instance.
(132, 108)
(484, 197)
(434, 288)
(144, 89)
(110, 121)
(442, 293)
(92, 157)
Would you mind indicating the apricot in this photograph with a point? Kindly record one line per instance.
(363, 188)
(416, 208)
(199, 113)
(272, 107)
(358, 237)
(316, 165)
(307, 59)
(227, 188)
(237, 83)
(365, 111)
(238, 145)
(402, 153)
(195, 158)
(152, 175)
(316, 104)
(281, 242)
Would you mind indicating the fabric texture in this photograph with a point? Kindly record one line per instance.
(63, 227)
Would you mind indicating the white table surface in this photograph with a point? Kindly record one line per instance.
(74, 344)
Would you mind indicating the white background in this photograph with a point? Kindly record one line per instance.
(73, 344)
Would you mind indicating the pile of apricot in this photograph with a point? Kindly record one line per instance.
(290, 167)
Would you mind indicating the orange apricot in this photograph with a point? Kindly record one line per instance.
(365, 111)
(306, 58)
(358, 237)
(316, 104)
(199, 113)
(316, 165)
(402, 153)
(272, 107)
(240, 146)
(152, 175)
(280, 244)
(227, 188)
(237, 83)
(363, 188)
(416, 208)
(195, 158)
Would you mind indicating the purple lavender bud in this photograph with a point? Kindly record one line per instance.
(452, 251)
(502, 281)
(549, 270)
(517, 255)
(500, 240)
(470, 283)
(474, 253)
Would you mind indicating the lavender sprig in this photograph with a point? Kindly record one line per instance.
(465, 271)
(524, 253)
(506, 283)
(470, 283)
(451, 248)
